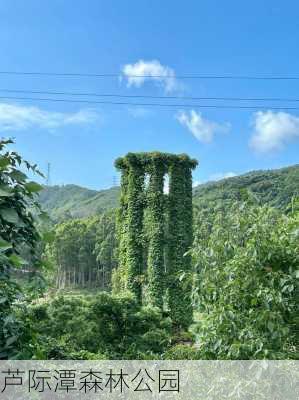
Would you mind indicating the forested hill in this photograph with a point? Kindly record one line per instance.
(274, 187)
(72, 201)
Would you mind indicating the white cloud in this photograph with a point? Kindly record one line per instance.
(196, 183)
(17, 117)
(273, 130)
(140, 72)
(221, 175)
(203, 129)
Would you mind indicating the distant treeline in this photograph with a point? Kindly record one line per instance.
(83, 252)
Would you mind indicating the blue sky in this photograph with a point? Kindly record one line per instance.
(170, 38)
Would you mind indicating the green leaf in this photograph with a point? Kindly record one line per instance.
(11, 340)
(270, 326)
(44, 217)
(182, 276)
(5, 192)
(33, 187)
(48, 237)
(16, 260)
(10, 215)
(18, 175)
(4, 245)
(3, 300)
(4, 162)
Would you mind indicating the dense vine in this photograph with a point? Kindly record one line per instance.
(134, 225)
(180, 239)
(162, 272)
(122, 229)
(155, 202)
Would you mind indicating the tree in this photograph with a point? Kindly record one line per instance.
(84, 251)
(106, 247)
(247, 263)
(17, 227)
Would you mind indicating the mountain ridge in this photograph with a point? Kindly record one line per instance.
(275, 187)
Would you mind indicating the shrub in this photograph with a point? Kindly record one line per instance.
(104, 327)
(247, 263)
(18, 232)
(123, 328)
(182, 352)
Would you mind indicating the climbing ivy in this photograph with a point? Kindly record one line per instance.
(122, 230)
(187, 222)
(133, 206)
(155, 203)
(134, 199)
(176, 248)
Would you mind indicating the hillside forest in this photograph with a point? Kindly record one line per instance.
(60, 283)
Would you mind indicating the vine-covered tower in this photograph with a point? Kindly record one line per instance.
(159, 252)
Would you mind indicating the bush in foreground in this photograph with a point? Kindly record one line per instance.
(247, 261)
(107, 326)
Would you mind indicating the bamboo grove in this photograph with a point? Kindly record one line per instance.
(160, 253)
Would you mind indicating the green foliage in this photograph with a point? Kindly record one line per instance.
(106, 247)
(68, 251)
(122, 327)
(245, 258)
(135, 197)
(155, 235)
(274, 188)
(179, 242)
(84, 251)
(104, 326)
(247, 261)
(182, 352)
(17, 229)
(119, 277)
(134, 228)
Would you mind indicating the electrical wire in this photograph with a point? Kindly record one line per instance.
(255, 107)
(114, 75)
(150, 97)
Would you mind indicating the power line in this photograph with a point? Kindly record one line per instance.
(150, 97)
(257, 107)
(113, 75)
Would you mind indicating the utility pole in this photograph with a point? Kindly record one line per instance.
(48, 177)
(114, 184)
